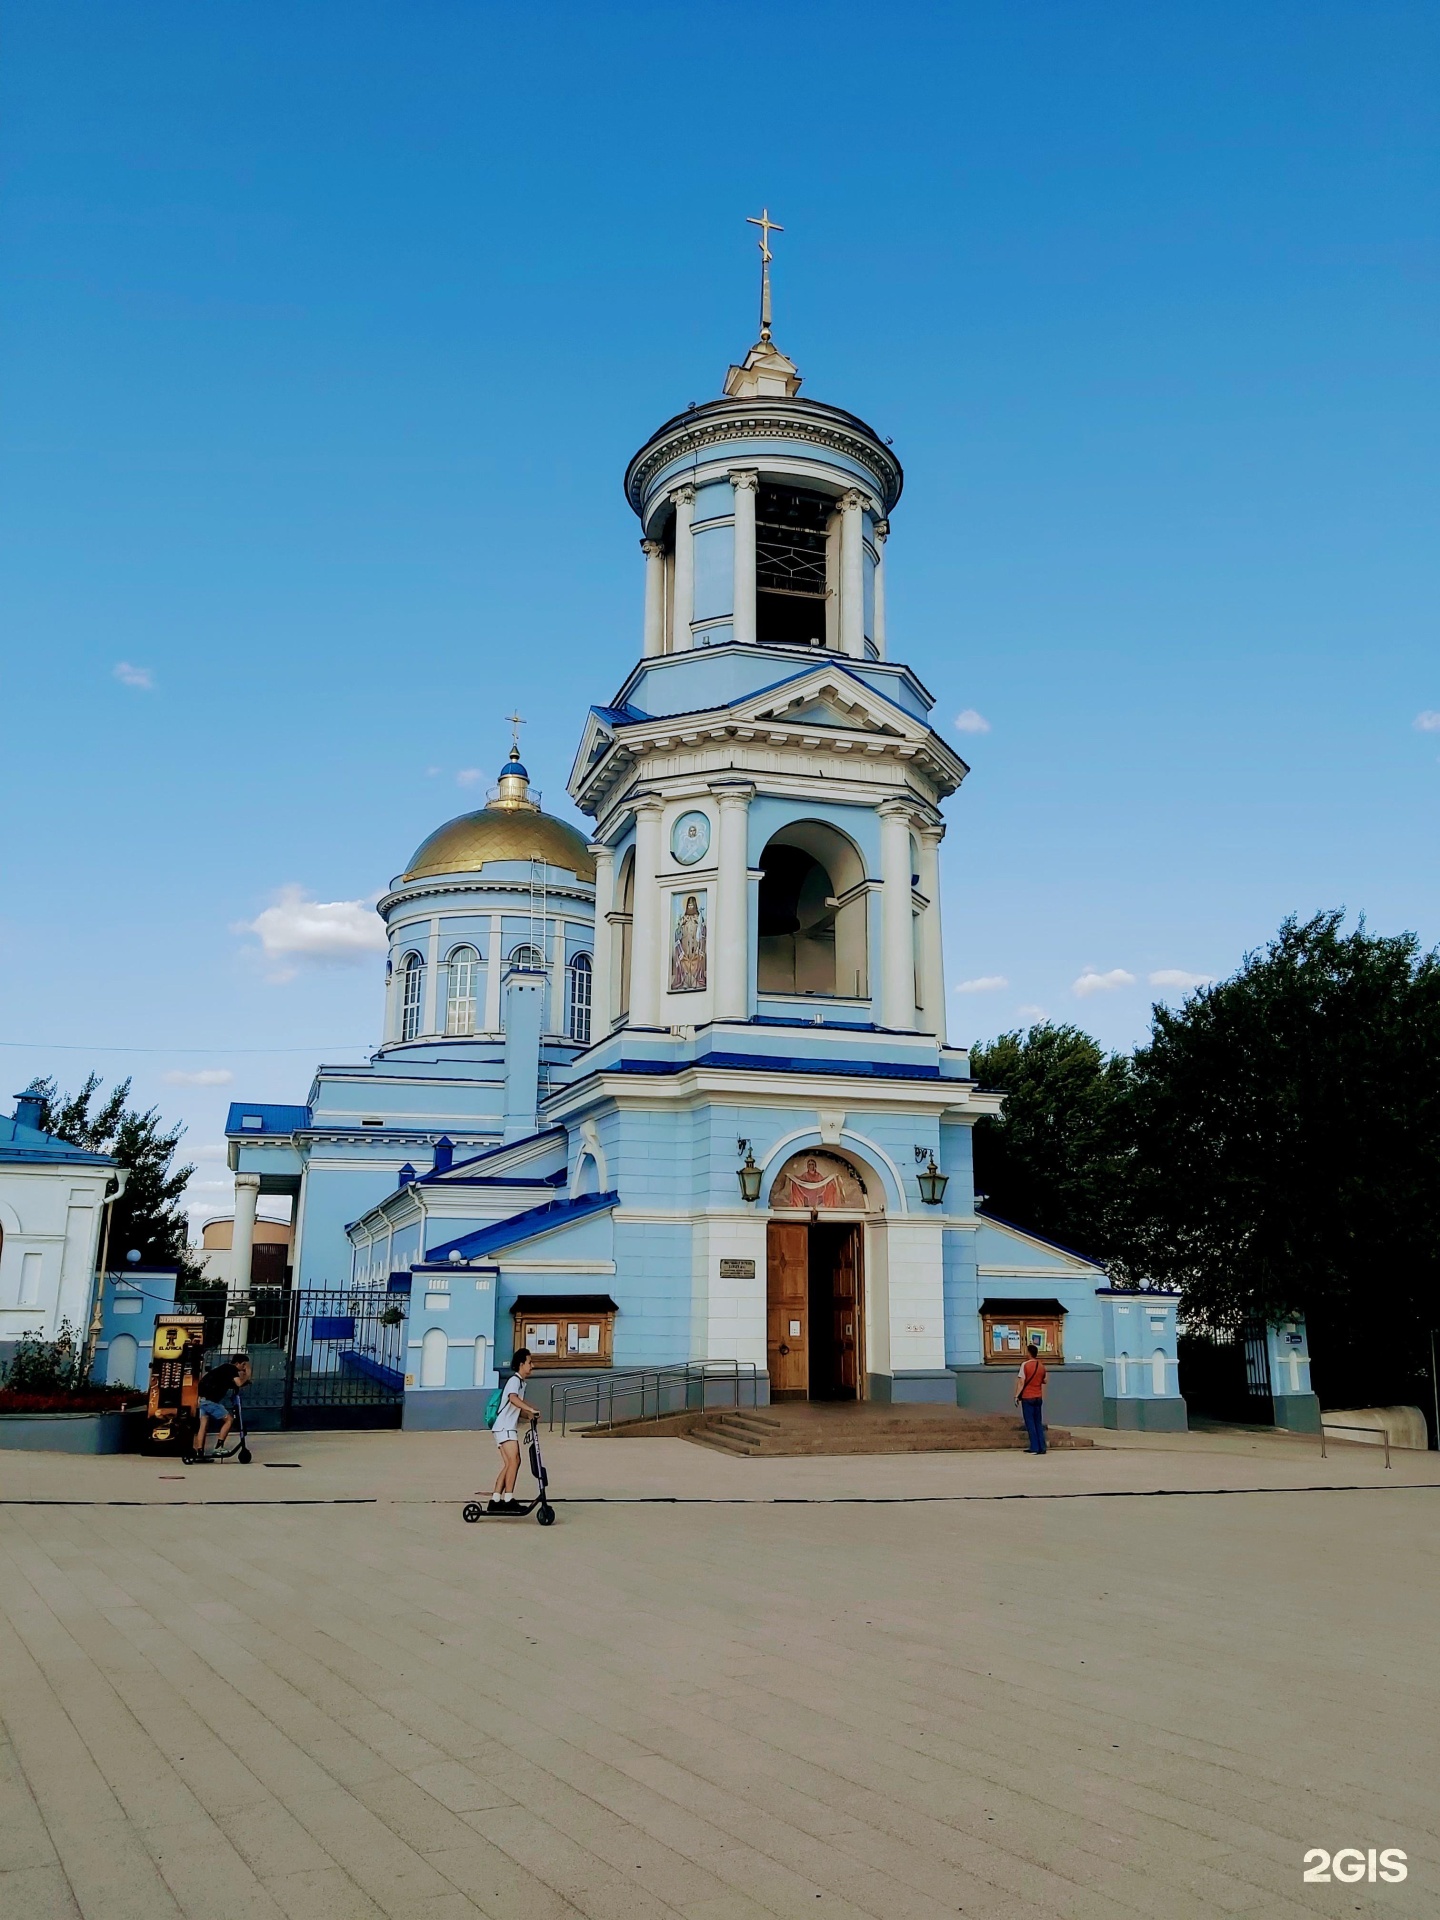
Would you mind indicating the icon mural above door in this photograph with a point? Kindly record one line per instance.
(818, 1182)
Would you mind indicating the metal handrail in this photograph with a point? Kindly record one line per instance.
(642, 1379)
(1339, 1426)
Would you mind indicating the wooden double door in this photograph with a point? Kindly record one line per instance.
(814, 1301)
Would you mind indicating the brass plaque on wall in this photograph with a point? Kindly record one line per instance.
(737, 1269)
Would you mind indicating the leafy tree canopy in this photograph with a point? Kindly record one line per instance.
(1055, 1160)
(1275, 1148)
(148, 1216)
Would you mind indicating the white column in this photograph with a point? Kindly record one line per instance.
(732, 907)
(932, 951)
(897, 936)
(746, 486)
(852, 574)
(832, 582)
(559, 999)
(242, 1245)
(654, 553)
(493, 969)
(432, 979)
(684, 570)
(645, 929)
(600, 1002)
(882, 534)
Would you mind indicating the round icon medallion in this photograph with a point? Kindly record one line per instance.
(690, 838)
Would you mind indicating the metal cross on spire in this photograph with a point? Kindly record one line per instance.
(767, 226)
(515, 725)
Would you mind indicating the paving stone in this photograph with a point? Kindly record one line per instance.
(36, 1893)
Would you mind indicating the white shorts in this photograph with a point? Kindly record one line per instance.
(501, 1435)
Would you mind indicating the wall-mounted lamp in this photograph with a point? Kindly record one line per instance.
(931, 1182)
(748, 1175)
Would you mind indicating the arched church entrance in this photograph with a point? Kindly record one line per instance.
(815, 1278)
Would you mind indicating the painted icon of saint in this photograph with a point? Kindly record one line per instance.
(687, 949)
(813, 1188)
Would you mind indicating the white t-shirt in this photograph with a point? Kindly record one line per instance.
(507, 1421)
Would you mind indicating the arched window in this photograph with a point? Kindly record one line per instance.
(812, 914)
(528, 957)
(412, 1001)
(622, 919)
(120, 1367)
(434, 1357)
(460, 990)
(581, 984)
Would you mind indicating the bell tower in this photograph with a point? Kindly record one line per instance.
(766, 786)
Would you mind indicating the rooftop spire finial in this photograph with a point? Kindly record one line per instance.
(767, 226)
(515, 725)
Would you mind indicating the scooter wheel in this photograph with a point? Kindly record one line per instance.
(244, 1456)
(472, 1511)
(546, 1516)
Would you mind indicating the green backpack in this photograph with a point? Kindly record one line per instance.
(493, 1406)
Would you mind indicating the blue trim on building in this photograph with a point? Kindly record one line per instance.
(522, 1226)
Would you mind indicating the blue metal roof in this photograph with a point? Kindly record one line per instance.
(28, 1145)
(522, 1226)
(272, 1119)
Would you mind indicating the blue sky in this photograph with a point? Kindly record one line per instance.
(328, 330)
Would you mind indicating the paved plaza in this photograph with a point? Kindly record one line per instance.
(1140, 1680)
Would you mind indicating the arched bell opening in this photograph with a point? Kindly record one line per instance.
(812, 914)
(622, 921)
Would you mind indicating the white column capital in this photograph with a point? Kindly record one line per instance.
(930, 832)
(882, 531)
(601, 850)
(247, 1182)
(853, 500)
(647, 804)
(732, 793)
(744, 477)
(653, 549)
(684, 493)
(897, 809)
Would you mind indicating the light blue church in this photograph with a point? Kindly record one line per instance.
(680, 1089)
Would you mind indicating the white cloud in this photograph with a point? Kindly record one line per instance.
(1092, 982)
(1427, 722)
(1028, 1012)
(982, 983)
(969, 721)
(315, 929)
(201, 1077)
(1178, 977)
(469, 776)
(129, 676)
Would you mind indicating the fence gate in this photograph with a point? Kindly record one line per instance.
(319, 1357)
(1226, 1376)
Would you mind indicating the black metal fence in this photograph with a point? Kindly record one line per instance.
(319, 1357)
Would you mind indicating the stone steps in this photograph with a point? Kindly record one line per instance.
(790, 1431)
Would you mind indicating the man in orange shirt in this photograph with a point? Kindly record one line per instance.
(1030, 1393)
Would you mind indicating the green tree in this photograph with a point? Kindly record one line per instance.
(1286, 1130)
(1055, 1161)
(147, 1217)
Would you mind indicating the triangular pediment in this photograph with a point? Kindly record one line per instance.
(830, 697)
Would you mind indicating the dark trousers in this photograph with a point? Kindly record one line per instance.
(1033, 1411)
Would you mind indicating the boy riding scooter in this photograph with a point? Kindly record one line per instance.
(507, 1429)
(218, 1388)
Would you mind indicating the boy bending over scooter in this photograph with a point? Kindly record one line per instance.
(218, 1388)
(507, 1429)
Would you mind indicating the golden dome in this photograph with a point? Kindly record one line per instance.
(501, 833)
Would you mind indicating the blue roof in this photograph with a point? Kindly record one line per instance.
(620, 716)
(30, 1145)
(272, 1119)
(522, 1226)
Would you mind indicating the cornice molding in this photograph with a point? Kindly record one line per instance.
(691, 434)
